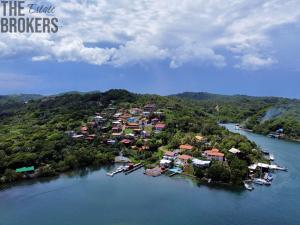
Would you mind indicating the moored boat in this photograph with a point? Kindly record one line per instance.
(248, 186)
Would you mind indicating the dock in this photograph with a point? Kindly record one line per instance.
(135, 167)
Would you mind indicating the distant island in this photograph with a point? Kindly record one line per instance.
(46, 135)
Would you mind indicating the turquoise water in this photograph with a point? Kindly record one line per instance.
(92, 198)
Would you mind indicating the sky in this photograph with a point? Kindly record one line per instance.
(162, 47)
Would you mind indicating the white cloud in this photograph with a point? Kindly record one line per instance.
(255, 62)
(179, 31)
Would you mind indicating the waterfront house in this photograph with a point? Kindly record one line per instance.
(29, 169)
(165, 163)
(184, 158)
(214, 154)
(200, 163)
(170, 155)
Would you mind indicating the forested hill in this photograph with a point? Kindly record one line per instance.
(73, 130)
(8, 102)
(260, 114)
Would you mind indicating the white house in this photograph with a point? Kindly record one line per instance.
(165, 163)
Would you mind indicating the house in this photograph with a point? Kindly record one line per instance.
(150, 107)
(117, 134)
(234, 151)
(111, 141)
(154, 121)
(160, 126)
(165, 163)
(132, 126)
(84, 129)
(200, 163)
(116, 123)
(126, 141)
(144, 134)
(146, 113)
(132, 119)
(98, 119)
(185, 158)
(185, 147)
(170, 155)
(200, 138)
(29, 169)
(117, 115)
(116, 129)
(76, 136)
(136, 111)
(214, 154)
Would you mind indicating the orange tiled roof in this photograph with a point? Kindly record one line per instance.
(185, 157)
(186, 147)
(214, 152)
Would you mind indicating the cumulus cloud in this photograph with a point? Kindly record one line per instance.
(255, 62)
(178, 31)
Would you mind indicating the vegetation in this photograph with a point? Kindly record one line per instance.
(261, 114)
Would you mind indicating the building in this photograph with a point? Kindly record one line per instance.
(165, 163)
(160, 126)
(200, 163)
(185, 147)
(214, 154)
(234, 151)
(150, 107)
(170, 155)
(185, 158)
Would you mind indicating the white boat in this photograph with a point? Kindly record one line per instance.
(261, 181)
(258, 181)
(248, 186)
(271, 156)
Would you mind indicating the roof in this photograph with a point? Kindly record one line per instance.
(132, 124)
(165, 161)
(234, 150)
(169, 153)
(84, 128)
(199, 137)
(200, 162)
(186, 147)
(185, 157)
(25, 169)
(214, 152)
(125, 141)
(160, 125)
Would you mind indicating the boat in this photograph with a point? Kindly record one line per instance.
(248, 186)
(270, 177)
(261, 181)
(271, 156)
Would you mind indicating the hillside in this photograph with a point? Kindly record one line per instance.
(8, 102)
(261, 114)
(73, 130)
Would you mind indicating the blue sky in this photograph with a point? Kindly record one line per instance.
(159, 47)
